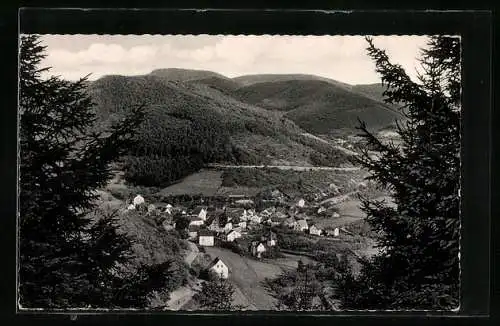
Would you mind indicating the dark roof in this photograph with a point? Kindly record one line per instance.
(211, 218)
(193, 228)
(215, 261)
(195, 218)
(198, 209)
(205, 232)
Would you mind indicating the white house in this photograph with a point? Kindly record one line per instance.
(335, 215)
(272, 239)
(200, 212)
(151, 208)
(321, 209)
(228, 227)
(256, 219)
(193, 231)
(336, 232)
(168, 226)
(213, 224)
(315, 230)
(290, 222)
(219, 268)
(232, 235)
(260, 249)
(131, 207)
(206, 239)
(196, 221)
(301, 203)
(168, 209)
(266, 213)
(138, 200)
(301, 225)
(244, 202)
(257, 248)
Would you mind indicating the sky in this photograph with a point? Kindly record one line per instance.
(343, 58)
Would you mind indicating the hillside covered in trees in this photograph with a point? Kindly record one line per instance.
(189, 124)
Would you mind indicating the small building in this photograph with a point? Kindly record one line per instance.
(213, 224)
(168, 226)
(335, 215)
(138, 200)
(244, 202)
(193, 231)
(256, 219)
(200, 212)
(151, 208)
(280, 215)
(219, 268)
(301, 203)
(321, 210)
(232, 235)
(206, 238)
(335, 232)
(301, 225)
(290, 222)
(196, 221)
(131, 207)
(235, 212)
(242, 224)
(273, 221)
(315, 230)
(168, 209)
(272, 239)
(228, 227)
(258, 248)
(266, 213)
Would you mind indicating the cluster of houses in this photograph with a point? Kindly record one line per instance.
(231, 223)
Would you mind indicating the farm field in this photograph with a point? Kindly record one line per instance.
(247, 274)
(205, 182)
(349, 211)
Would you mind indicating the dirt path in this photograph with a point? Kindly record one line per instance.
(192, 253)
(179, 298)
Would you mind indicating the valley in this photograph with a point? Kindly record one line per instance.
(272, 154)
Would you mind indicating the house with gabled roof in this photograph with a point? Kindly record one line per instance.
(271, 239)
(257, 248)
(301, 225)
(194, 220)
(218, 267)
(290, 222)
(200, 212)
(232, 235)
(315, 230)
(193, 231)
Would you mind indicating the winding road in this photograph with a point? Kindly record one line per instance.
(284, 167)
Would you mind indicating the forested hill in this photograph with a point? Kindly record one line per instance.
(191, 123)
(319, 106)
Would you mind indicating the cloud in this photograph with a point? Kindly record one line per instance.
(340, 57)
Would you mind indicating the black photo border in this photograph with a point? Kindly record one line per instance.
(475, 29)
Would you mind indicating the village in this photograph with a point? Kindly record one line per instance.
(237, 225)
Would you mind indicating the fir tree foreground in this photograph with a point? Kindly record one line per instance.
(216, 294)
(66, 259)
(418, 266)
